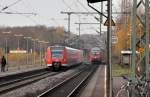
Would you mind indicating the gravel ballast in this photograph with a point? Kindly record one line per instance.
(33, 90)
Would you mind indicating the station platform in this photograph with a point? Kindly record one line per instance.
(97, 85)
(16, 70)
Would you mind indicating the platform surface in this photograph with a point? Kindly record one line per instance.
(97, 85)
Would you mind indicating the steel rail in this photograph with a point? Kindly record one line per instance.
(22, 82)
(18, 75)
(54, 91)
(21, 79)
(81, 84)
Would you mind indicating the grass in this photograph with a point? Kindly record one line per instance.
(118, 70)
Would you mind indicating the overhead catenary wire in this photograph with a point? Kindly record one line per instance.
(28, 5)
(16, 12)
(67, 5)
(73, 3)
(7, 12)
(54, 20)
(83, 6)
(34, 21)
(6, 7)
(26, 15)
(77, 2)
(12, 12)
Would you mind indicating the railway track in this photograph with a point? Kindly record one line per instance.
(11, 77)
(17, 82)
(70, 87)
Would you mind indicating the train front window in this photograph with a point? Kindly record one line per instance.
(57, 54)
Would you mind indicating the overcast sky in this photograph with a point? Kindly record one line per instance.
(48, 13)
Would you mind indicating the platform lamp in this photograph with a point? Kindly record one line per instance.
(46, 43)
(27, 49)
(41, 42)
(18, 48)
(43, 46)
(18, 35)
(36, 48)
(6, 46)
(34, 41)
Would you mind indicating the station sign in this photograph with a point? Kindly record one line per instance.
(18, 51)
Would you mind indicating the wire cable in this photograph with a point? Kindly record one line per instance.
(82, 5)
(6, 7)
(67, 5)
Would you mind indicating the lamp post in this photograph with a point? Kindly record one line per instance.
(34, 41)
(46, 44)
(6, 47)
(27, 38)
(18, 47)
(33, 50)
(41, 42)
(36, 50)
(18, 35)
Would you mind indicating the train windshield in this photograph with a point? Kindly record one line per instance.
(57, 54)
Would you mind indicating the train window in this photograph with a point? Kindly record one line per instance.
(57, 54)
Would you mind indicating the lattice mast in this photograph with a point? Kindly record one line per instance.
(140, 42)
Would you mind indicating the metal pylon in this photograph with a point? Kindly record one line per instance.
(140, 39)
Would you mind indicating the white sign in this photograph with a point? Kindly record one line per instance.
(114, 39)
(18, 51)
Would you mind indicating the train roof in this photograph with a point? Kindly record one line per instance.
(64, 47)
(95, 49)
(72, 48)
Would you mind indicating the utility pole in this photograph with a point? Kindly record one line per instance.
(109, 35)
(101, 18)
(79, 34)
(89, 13)
(27, 49)
(80, 29)
(69, 19)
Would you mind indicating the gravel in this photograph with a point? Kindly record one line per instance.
(36, 88)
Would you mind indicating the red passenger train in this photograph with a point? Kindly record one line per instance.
(62, 56)
(95, 55)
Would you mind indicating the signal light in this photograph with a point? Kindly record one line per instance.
(95, 1)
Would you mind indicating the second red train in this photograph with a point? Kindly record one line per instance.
(95, 55)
